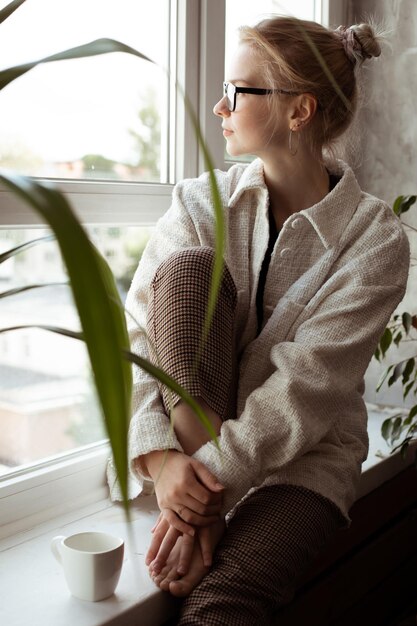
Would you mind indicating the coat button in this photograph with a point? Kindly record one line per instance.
(296, 223)
(285, 252)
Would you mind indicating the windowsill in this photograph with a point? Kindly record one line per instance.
(32, 584)
(33, 588)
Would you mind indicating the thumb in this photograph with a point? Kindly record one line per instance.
(206, 477)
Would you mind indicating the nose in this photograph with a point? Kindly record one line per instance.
(220, 108)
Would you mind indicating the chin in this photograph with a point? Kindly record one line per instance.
(234, 151)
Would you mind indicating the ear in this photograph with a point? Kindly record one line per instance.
(304, 109)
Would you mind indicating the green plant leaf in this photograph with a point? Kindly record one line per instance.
(403, 204)
(383, 377)
(99, 308)
(24, 246)
(407, 389)
(377, 354)
(66, 332)
(408, 370)
(220, 236)
(9, 9)
(158, 373)
(408, 203)
(385, 341)
(398, 369)
(93, 48)
(397, 205)
(404, 450)
(397, 423)
(397, 338)
(407, 319)
(412, 413)
(16, 290)
(386, 429)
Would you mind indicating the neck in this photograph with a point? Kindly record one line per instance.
(294, 183)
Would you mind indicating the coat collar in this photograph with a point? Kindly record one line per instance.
(330, 216)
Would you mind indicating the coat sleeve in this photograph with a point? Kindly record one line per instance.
(150, 429)
(315, 376)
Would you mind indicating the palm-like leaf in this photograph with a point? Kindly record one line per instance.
(17, 290)
(24, 246)
(93, 48)
(9, 9)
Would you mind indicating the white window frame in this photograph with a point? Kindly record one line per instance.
(70, 481)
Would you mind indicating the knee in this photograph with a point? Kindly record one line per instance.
(187, 261)
(193, 266)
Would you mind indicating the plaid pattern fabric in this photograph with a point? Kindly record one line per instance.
(273, 537)
(176, 313)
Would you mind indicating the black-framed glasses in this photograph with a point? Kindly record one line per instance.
(230, 90)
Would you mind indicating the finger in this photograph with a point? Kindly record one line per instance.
(201, 493)
(198, 507)
(206, 546)
(155, 526)
(206, 477)
(178, 523)
(197, 520)
(186, 553)
(165, 549)
(158, 536)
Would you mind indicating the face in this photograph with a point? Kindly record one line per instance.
(249, 129)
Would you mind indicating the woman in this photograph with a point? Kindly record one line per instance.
(314, 268)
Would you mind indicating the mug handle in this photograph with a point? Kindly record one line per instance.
(55, 547)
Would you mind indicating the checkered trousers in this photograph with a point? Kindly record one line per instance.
(271, 540)
(176, 314)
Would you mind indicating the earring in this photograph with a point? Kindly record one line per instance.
(293, 151)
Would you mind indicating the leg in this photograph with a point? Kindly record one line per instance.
(176, 315)
(273, 537)
(178, 303)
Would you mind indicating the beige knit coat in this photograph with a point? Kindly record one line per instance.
(337, 272)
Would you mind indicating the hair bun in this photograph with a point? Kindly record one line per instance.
(360, 42)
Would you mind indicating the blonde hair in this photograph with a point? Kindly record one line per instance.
(305, 57)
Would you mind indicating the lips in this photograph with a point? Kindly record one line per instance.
(227, 132)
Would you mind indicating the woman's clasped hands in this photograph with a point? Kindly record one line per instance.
(190, 523)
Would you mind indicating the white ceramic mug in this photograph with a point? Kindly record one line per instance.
(92, 562)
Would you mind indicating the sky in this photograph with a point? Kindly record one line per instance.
(64, 110)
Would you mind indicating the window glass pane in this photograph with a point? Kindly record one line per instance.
(101, 117)
(247, 12)
(47, 399)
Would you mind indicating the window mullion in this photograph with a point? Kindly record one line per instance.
(187, 52)
(212, 51)
(96, 203)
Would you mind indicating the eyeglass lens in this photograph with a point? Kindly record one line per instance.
(230, 93)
